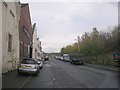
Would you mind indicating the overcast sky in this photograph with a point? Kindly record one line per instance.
(59, 23)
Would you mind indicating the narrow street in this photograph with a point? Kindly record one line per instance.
(60, 74)
(47, 38)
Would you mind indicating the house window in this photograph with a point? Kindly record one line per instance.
(5, 4)
(26, 31)
(12, 13)
(9, 42)
(28, 50)
(23, 49)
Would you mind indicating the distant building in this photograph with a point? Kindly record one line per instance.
(37, 49)
(10, 35)
(25, 33)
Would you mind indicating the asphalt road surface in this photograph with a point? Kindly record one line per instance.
(60, 74)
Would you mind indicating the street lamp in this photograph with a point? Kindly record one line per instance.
(78, 42)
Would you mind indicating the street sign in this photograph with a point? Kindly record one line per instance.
(116, 56)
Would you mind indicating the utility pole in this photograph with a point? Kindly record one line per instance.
(78, 37)
(78, 43)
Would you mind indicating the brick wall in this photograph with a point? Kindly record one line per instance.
(25, 31)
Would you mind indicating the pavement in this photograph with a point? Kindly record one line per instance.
(60, 74)
(107, 67)
(12, 80)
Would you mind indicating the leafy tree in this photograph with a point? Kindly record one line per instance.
(96, 43)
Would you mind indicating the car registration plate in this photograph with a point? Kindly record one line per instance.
(27, 66)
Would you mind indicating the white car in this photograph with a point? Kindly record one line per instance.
(29, 65)
(40, 63)
(46, 58)
(61, 58)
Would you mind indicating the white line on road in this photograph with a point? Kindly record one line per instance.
(54, 79)
(53, 64)
(47, 65)
(25, 82)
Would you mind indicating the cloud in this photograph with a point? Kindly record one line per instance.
(59, 23)
(67, 0)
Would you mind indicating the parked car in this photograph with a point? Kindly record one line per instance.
(66, 57)
(29, 65)
(76, 59)
(59, 58)
(46, 58)
(56, 57)
(40, 63)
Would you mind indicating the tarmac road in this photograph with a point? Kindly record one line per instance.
(60, 74)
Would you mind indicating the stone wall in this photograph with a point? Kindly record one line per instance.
(10, 28)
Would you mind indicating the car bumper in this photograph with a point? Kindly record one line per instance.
(75, 62)
(66, 60)
(30, 71)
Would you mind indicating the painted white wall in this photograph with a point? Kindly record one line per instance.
(0, 38)
(38, 49)
(34, 52)
(36, 45)
(10, 25)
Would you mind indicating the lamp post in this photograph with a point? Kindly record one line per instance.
(78, 43)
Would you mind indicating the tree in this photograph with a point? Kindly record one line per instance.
(96, 43)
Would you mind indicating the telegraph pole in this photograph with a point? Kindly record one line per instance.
(78, 37)
(78, 43)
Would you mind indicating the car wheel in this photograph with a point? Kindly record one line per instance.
(70, 62)
(38, 71)
(36, 74)
(40, 67)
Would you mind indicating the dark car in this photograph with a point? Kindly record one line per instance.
(76, 59)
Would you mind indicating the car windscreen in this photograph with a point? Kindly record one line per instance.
(75, 58)
(28, 61)
(38, 59)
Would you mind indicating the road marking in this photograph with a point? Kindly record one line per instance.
(25, 82)
(47, 65)
(53, 64)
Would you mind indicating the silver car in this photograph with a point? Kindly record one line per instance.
(29, 65)
(40, 63)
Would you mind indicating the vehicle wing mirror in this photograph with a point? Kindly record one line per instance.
(38, 62)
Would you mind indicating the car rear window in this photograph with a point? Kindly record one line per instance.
(38, 59)
(28, 61)
(75, 58)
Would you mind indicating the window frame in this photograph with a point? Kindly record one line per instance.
(10, 42)
(6, 5)
(26, 32)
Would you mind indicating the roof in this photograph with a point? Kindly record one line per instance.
(23, 4)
